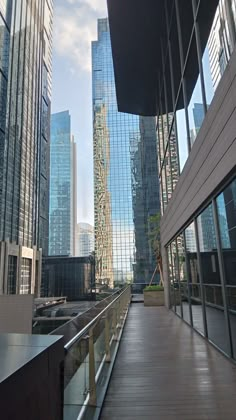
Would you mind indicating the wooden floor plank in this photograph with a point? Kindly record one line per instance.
(165, 371)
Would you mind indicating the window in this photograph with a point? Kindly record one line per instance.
(226, 206)
(211, 279)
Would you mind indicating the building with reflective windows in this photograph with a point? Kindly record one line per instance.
(85, 240)
(72, 277)
(62, 203)
(145, 198)
(25, 92)
(120, 232)
(189, 84)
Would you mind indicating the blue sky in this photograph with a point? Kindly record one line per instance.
(75, 26)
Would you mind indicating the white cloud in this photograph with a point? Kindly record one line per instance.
(75, 26)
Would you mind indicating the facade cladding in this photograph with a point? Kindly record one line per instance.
(71, 277)
(198, 185)
(121, 243)
(62, 186)
(25, 92)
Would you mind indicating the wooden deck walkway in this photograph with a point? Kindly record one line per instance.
(166, 371)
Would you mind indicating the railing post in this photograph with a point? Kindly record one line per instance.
(92, 382)
(118, 313)
(113, 319)
(107, 339)
(122, 308)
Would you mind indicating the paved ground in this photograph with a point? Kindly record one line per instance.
(137, 298)
(166, 371)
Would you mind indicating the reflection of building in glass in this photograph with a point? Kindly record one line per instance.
(145, 196)
(62, 210)
(103, 226)
(25, 92)
(168, 158)
(119, 199)
(190, 239)
(85, 239)
(206, 230)
(198, 117)
(220, 43)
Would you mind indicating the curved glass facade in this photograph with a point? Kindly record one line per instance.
(201, 255)
(178, 129)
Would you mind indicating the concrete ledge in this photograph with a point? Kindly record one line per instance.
(154, 298)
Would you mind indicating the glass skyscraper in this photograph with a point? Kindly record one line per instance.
(85, 240)
(62, 186)
(25, 91)
(120, 221)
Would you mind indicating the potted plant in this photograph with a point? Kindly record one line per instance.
(154, 296)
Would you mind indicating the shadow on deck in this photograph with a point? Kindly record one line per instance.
(166, 371)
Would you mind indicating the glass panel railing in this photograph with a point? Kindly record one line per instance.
(89, 352)
(99, 343)
(76, 377)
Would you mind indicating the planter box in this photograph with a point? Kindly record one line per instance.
(154, 298)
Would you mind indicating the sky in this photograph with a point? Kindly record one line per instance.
(75, 26)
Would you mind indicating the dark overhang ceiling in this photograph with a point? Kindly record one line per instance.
(137, 28)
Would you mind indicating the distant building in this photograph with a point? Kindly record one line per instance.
(62, 208)
(70, 277)
(85, 239)
(25, 101)
(121, 208)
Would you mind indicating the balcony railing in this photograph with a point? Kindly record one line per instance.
(89, 358)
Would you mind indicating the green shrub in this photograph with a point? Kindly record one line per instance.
(153, 288)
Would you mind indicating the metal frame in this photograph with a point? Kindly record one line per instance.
(194, 37)
(113, 318)
(223, 285)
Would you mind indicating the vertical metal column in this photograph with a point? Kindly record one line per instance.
(92, 382)
(201, 280)
(222, 279)
(182, 74)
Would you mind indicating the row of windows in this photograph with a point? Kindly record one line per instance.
(177, 130)
(20, 218)
(202, 279)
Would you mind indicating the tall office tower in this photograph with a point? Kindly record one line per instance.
(74, 199)
(25, 92)
(117, 142)
(62, 202)
(85, 239)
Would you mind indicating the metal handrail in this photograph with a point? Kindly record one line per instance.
(93, 321)
(61, 329)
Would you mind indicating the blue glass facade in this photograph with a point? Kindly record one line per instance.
(25, 92)
(119, 204)
(61, 186)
